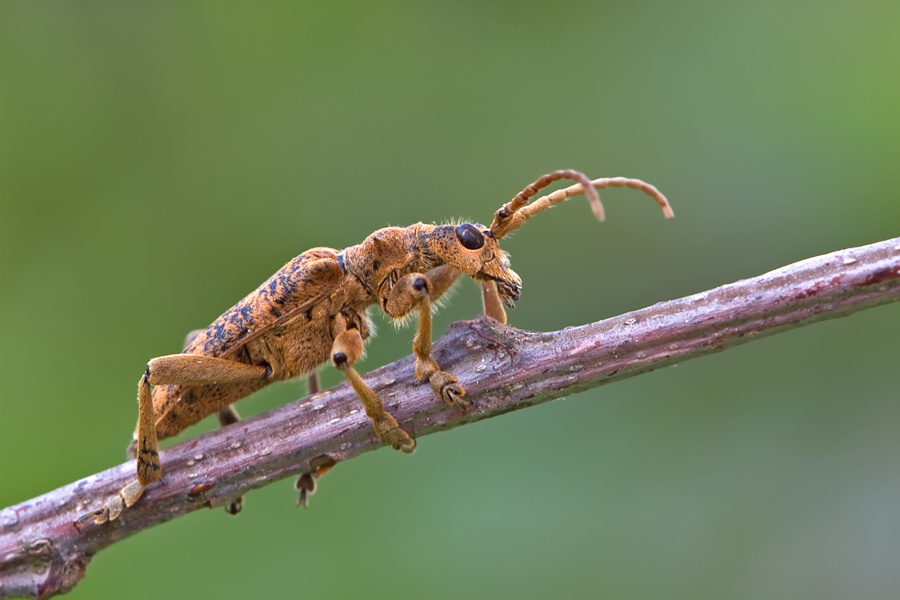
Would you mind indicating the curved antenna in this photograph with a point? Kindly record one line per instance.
(512, 214)
(506, 218)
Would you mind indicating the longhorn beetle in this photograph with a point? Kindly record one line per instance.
(315, 309)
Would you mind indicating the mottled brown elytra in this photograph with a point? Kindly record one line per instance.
(316, 308)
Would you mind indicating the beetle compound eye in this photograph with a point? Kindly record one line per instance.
(469, 236)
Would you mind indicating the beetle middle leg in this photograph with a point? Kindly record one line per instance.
(347, 349)
(312, 383)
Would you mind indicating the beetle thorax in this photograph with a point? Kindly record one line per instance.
(387, 255)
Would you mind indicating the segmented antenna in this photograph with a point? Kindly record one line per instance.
(512, 214)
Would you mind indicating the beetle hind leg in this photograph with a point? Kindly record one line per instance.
(146, 448)
(126, 497)
(174, 369)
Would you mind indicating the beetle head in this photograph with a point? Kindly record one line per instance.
(473, 249)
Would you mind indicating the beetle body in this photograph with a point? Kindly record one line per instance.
(288, 323)
(315, 309)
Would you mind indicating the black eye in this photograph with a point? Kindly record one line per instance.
(469, 236)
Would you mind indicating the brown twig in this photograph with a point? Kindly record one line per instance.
(503, 369)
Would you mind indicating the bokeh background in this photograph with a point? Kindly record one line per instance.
(160, 160)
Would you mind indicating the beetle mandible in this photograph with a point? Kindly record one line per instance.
(315, 309)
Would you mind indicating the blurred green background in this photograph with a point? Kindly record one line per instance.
(160, 160)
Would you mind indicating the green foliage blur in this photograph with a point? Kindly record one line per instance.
(159, 160)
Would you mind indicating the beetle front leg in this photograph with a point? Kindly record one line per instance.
(414, 291)
(347, 349)
(493, 304)
(442, 279)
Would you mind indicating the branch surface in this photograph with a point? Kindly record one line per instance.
(503, 369)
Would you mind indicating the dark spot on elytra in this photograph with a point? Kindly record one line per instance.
(215, 335)
(289, 287)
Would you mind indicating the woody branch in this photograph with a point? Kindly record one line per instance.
(503, 369)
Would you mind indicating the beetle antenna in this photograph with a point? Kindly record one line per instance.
(512, 214)
(509, 218)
